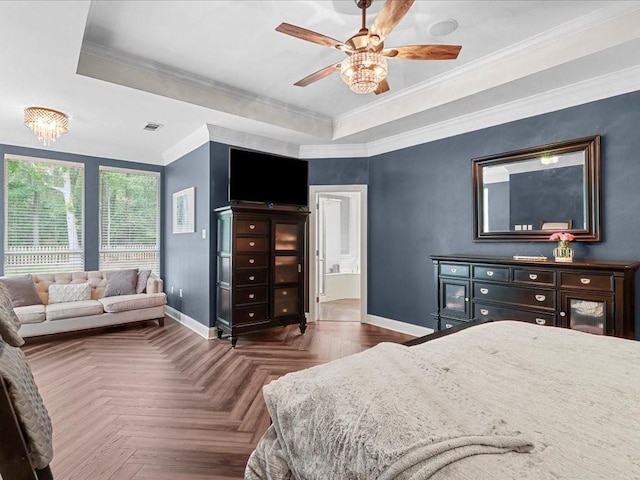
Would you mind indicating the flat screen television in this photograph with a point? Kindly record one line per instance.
(265, 178)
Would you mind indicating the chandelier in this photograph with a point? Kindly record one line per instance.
(46, 123)
(363, 71)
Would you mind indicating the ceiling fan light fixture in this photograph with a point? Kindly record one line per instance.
(363, 71)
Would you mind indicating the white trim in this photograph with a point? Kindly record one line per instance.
(237, 138)
(395, 325)
(186, 145)
(190, 323)
(313, 191)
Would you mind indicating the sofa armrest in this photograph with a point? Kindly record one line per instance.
(155, 284)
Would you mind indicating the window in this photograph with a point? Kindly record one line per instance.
(43, 216)
(129, 219)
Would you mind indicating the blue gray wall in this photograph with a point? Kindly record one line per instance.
(91, 195)
(420, 204)
(420, 201)
(187, 265)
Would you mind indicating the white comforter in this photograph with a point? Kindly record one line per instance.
(441, 410)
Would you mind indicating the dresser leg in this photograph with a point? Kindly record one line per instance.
(219, 332)
(303, 326)
(234, 340)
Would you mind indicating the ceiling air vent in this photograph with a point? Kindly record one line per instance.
(152, 127)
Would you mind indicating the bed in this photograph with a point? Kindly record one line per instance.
(501, 400)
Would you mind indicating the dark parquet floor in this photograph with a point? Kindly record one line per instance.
(144, 402)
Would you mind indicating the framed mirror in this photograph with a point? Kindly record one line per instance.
(528, 194)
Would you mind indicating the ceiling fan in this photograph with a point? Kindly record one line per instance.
(365, 68)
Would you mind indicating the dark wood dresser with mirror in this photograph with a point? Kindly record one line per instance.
(590, 296)
(261, 269)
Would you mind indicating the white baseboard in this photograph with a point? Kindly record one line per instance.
(402, 327)
(190, 323)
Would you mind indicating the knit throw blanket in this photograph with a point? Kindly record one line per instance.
(28, 405)
(387, 413)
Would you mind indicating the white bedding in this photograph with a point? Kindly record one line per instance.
(574, 397)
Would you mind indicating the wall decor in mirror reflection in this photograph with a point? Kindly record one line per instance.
(525, 194)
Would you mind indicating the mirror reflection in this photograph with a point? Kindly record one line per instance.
(544, 193)
(527, 194)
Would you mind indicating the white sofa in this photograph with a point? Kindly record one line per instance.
(99, 311)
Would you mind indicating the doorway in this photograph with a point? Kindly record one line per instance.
(337, 245)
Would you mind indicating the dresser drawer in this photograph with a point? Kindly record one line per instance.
(531, 275)
(534, 297)
(252, 244)
(490, 273)
(258, 227)
(449, 323)
(285, 302)
(258, 260)
(454, 270)
(250, 295)
(252, 314)
(251, 277)
(491, 312)
(587, 281)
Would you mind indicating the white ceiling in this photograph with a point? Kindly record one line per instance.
(218, 70)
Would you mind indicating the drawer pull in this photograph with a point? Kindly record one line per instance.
(484, 291)
(251, 260)
(466, 299)
(533, 276)
(484, 311)
(285, 292)
(251, 314)
(285, 310)
(447, 325)
(252, 227)
(489, 273)
(454, 270)
(252, 295)
(562, 314)
(252, 278)
(541, 321)
(252, 244)
(585, 281)
(541, 298)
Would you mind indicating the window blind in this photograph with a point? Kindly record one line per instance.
(43, 216)
(129, 219)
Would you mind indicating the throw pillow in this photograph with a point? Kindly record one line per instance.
(9, 323)
(121, 282)
(72, 292)
(143, 276)
(22, 290)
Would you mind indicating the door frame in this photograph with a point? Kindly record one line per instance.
(314, 190)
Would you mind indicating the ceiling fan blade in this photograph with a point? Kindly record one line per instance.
(311, 36)
(382, 87)
(387, 19)
(319, 75)
(423, 52)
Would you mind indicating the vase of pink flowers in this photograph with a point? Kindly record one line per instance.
(564, 251)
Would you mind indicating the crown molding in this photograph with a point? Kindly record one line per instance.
(335, 150)
(599, 88)
(186, 145)
(237, 138)
(606, 86)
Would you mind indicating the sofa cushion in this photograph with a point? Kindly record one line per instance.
(123, 303)
(59, 311)
(143, 276)
(73, 292)
(121, 282)
(31, 313)
(9, 323)
(22, 290)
